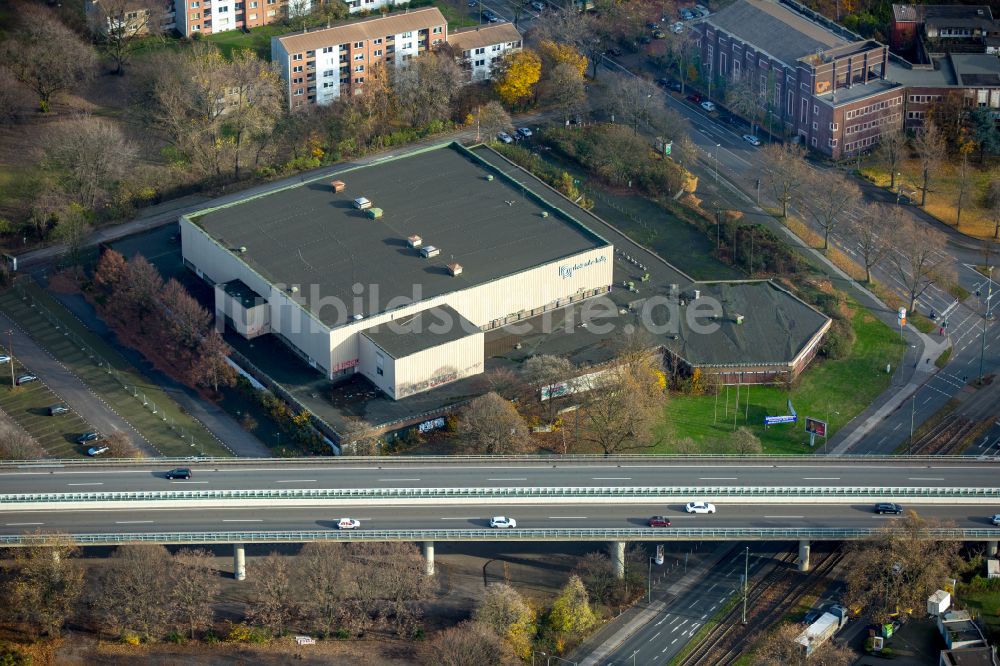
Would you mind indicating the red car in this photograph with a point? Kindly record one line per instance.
(659, 521)
(695, 98)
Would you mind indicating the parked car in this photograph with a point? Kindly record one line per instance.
(694, 98)
(614, 51)
(888, 507)
(501, 522)
(687, 14)
(524, 132)
(88, 437)
(811, 616)
(473, 3)
(506, 138)
(4, 358)
(24, 379)
(178, 473)
(653, 26)
(996, 519)
(708, 106)
(97, 450)
(348, 524)
(700, 507)
(659, 34)
(538, 6)
(659, 521)
(751, 139)
(56, 410)
(677, 28)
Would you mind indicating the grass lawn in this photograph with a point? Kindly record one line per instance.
(943, 192)
(257, 40)
(833, 391)
(170, 429)
(28, 406)
(456, 18)
(987, 604)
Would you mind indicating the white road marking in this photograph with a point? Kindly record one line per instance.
(132, 522)
(22, 524)
(671, 642)
(510, 479)
(85, 484)
(242, 520)
(296, 481)
(654, 637)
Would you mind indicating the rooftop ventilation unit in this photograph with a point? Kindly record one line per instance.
(429, 251)
(414, 241)
(455, 269)
(338, 185)
(697, 294)
(362, 203)
(489, 177)
(357, 317)
(738, 318)
(374, 213)
(294, 289)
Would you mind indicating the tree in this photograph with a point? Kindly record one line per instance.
(491, 425)
(543, 374)
(891, 150)
(254, 101)
(831, 195)
(16, 444)
(466, 644)
(72, 231)
(13, 98)
(516, 76)
(874, 230)
(930, 148)
(778, 648)
(598, 576)
(965, 147)
(46, 56)
(571, 612)
(684, 151)
(321, 582)
(896, 570)
(509, 616)
(553, 54)
(984, 131)
(359, 438)
(194, 586)
(563, 89)
(120, 25)
(744, 442)
(210, 366)
(127, 599)
(625, 402)
(46, 584)
(426, 88)
(920, 258)
(272, 598)
(89, 157)
(492, 119)
(745, 99)
(120, 446)
(636, 99)
(991, 201)
(110, 272)
(681, 51)
(785, 171)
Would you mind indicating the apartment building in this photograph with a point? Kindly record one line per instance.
(828, 92)
(321, 66)
(480, 48)
(212, 16)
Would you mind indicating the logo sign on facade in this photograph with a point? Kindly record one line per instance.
(566, 270)
(815, 426)
(433, 424)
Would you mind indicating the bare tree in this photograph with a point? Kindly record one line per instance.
(544, 374)
(578, 29)
(321, 583)
(426, 87)
(254, 100)
(896, 570)
(491, 425)
(874, 230)
(508, 615)
(891, 150)
(466, 644)
(830, 196)
(598, 576)
(387, 587)
(127, 598)
(745, 99)
(90, 156)
(920, 259)
(503, 381)
(72, 231)
(964, 178)
(47, 583)
(930, 148)
(120, 25)
(744, 442)
(681, 52)
(16, 444)
(785, 171)
(492, 119)
(120, 446)
(46, 56)
(272, 598)
(563, 89)
(13, 98)
(991, 201)
(635, 99)
(359, 438)
(778, 648)
(194, 586)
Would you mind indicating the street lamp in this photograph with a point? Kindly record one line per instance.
(746, 582)
(986, 318)
(533, 656)
(10, 352)
(552, 656)
(899, 186)
(717, 146)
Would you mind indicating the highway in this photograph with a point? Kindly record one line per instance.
(334, 474)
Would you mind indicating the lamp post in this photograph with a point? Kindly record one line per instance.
(10, 352)
(552, 656)
(717, 147)
(533, 652)
(899, 186)
(746, 582)
(986, 318)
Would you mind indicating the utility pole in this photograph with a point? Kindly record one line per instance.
(913, 406)
(10, 352)
(986, 318)
(717, 147)
(746, 582)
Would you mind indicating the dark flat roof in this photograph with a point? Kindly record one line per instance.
(242, 292)
(308, 235)
(426, 329)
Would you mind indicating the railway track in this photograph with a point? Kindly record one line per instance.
(954, 432)
(767, 601)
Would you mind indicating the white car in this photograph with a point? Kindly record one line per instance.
(4, 358)
(524, 132)
(700, 507)
(751, 139)
(708, 106)
(996, 519)
(348, 524)
(501, 522)
(539, 6)
(677, 28)
(97, 450)
(506, 138)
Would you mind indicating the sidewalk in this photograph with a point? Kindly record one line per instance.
(606, 640)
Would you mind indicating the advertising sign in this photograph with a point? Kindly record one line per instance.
(815, 426)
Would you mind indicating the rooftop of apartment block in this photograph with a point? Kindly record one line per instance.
(361, 30)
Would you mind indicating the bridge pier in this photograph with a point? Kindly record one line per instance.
(804, 554)
(618, 558)
(239, 562)
(429, 558)
(991, 548)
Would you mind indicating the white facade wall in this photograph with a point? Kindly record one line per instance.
(223, 15)
(407, 46)
(370, 358)
(356, 6)
(424, 370)
(249, 322)
(483, 59)
(327, 74)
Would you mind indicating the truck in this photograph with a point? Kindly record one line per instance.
(822, 629)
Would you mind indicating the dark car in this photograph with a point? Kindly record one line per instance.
(24, 379)
(811, 616)
(88, 437)
(888, 507)
(614, 51)
(178, 473)
(659, 521)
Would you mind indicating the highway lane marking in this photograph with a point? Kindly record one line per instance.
(654, 637)
(611, 478)
(131, 522)
(671, 642)
(713, 586)
(511, 479)
(781, 517)
(296, 481)
(926, 478)
(821, 478)
(86, 484)
(22, 524)
(242, 520)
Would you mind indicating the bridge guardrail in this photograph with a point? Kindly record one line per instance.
(584, 534)
(677, 492)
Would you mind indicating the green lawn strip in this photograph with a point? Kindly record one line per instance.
(929, 424)
(958, 291)
(257, 40)
(455, 18)
(943, 359)
(833, 391)
(170, 429)
(28, 406)
(706, 628)
(986, 603)
(923, 324)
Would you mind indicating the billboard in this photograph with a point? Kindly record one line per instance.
(815, 426)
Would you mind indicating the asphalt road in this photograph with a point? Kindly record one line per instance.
(149, 476)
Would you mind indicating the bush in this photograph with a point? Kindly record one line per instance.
(342, 634)
(176, 638)
(244, 633)
(839, 340)
(11, 656)
(131, 638)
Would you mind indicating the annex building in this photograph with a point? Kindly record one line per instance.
(396, 269)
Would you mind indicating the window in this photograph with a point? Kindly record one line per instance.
(437, 41)
(195, 4)
(496, 47)
(359, 45)
(480, 63)
(297, 79)
(329, 72)
(791, 100)
(223, 9)
(815, 109)
(407, 45)
(297, 68)
(832, 143)
(299, 91)
(407, 35)
(815, 126)
(377, 40)
(297, 56)
(253, 4)
(437, 30)
(359, 68)
(359, 79)
(834, 126)
(196, 15)
(377, 53)
(359, 56)
(481, 50)
(804, 110)
(814, 142)
(327, 49)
